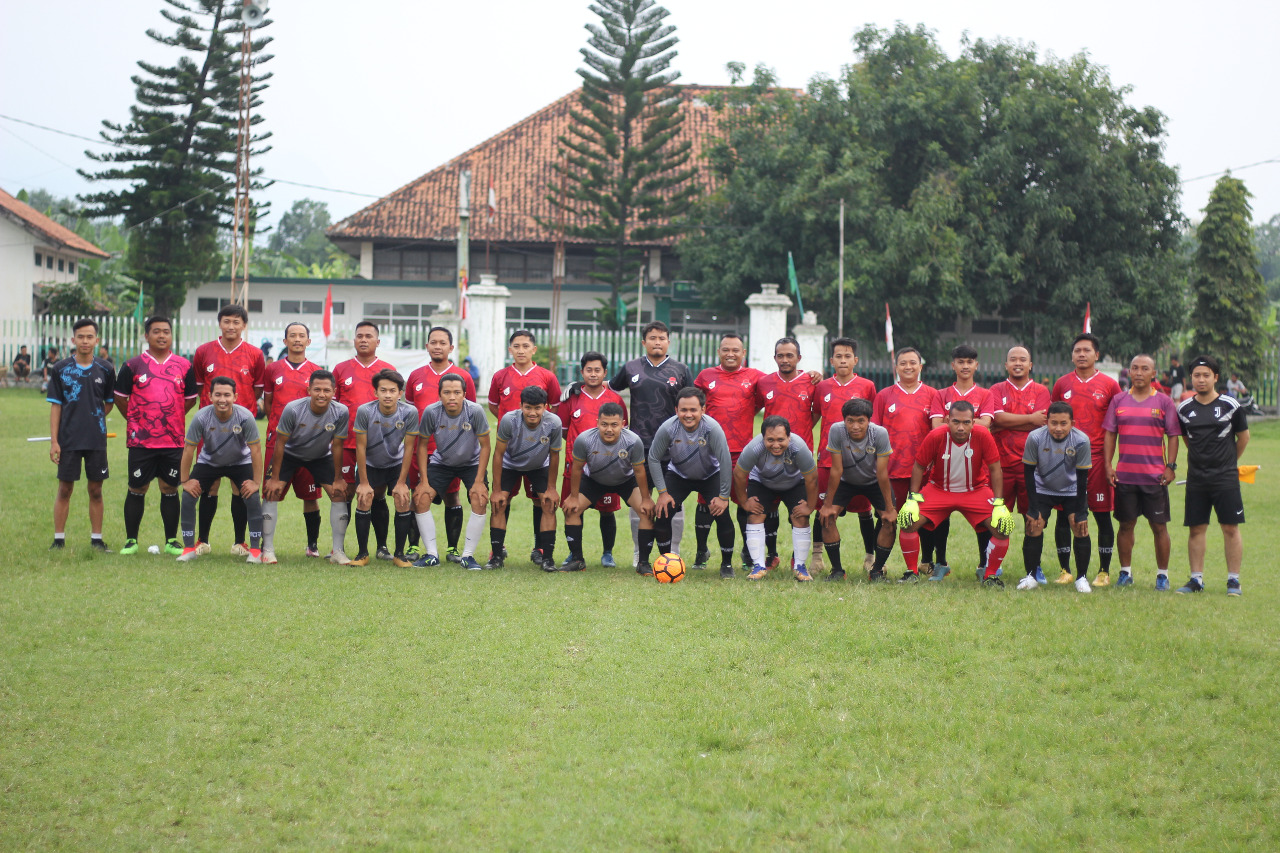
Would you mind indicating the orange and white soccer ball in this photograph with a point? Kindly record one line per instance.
(669, 568)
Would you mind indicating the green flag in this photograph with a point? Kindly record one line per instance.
(621, 312)
(137, 311)
(795, 285)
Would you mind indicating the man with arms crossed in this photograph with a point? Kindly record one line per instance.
(859, 452)
(528, 449)
(1056, 461)
(383, 430)
(778, 467)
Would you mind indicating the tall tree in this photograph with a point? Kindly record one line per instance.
(1229, 291)
(626, 180)
(300, 233)
(1267, 238)
(177, 151)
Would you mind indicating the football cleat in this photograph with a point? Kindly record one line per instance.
(453, 555)
(535, 556)
(1039, 576)
(1082, 585)
(1103, 578)
(361, 559)
(570, 565)
(339, 558)
(312, 551)
(1065, 577)
(835, 576)
(203, 548)
(413, 552)
(877, 575)
(773, 562)
(1233, 586)
(1029, 582)
(401, 561)
(548, 564)
(1162, 583)
(99, 546)
(255, 556)
(868, 562)
(993, 581)
(130, 547)
(647, 571)
(58, 545)
(606, 560)
(801, 573)
(383, 553)
(925, 568)
(1125, 579)
(173, 547)
(470, 564)
(495, 562)
(425, 561)
(188, 554)
(269, 558)
(726, 573)
(940, 571)
(700, 560)
(909, 577)
(758, 572)
(240, 549)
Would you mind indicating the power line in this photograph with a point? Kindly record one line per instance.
(1231, 169)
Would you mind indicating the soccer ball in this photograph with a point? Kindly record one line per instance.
(669, 568)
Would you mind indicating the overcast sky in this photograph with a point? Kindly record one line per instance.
(369, 95)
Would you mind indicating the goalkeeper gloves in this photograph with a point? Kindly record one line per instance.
(910, 512)
(1001, 518)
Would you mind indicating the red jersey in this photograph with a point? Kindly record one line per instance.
(958, 467)
(286, 382)
(1089, 400)
(1006, 397)
(580, 412)
(792, 400)
(355, 388)
(977, 396)
(905, 414)
(504, 390)
(422, 388)
(829, 398)
(731, 402)
(245, 364)
(155, 395)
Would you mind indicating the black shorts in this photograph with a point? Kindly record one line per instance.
(207, 475)
(1041, 506)
(149, 463)
(538, 480)
(846, 492)
(1225, 500)
(382, 477)
(321, 470)
(439, 478)
(1150, 502)
(593, 491)
(769, 498)
(95, 465)
(680, 488)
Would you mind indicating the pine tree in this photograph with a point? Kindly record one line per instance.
(1229, 291)
(177, 151)
(626, 179)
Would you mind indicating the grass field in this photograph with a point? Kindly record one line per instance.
(220, 706)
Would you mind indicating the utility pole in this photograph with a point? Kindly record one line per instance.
(840, 292)
(241, 237)
(464, 222)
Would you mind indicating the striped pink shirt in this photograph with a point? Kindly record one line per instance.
(1140, 428)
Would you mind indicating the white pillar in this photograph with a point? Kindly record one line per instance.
(768, 322)
(445, 316)
(487, 329)
(812, 339)
(366, 260)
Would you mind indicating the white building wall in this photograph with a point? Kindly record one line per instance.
(18, 271)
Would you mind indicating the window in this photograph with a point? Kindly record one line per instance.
(519, 317)
(62, 265)
(577, 269)
(254, 307)
(71, 266)
(414, 265)
(39, 259)
(510, 266)
(209, 303)
(538, 268)
(377, 309)
(443, 266)
(581, 318)
(48, 262)
(313, 307)
(339, 308)
(206, 303)
(386, 264)
(400, 309)
(290, 306)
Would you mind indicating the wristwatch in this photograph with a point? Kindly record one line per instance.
(1172, 466)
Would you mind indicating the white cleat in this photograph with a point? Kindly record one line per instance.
(1029, 582)
(203, 548)
(1082, 585)
(239, 550)
(269, 558)
(869, 562)
(187, 556)
(253, 558)
(339, 558)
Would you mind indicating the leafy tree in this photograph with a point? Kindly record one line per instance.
(1229, 292)
(1267, 238)
(625, 178)
(300, 233)
(993, 183)
(177, 151)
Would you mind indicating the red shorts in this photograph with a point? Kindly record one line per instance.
(858, 504)
(900, 486)
(1102, 495)
(938, 505)
(608, 503)
(733, 465)
(1015, 489)
(304, 485)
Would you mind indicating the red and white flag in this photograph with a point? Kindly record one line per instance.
(493, 201)
(462, 293)
(327, 323)
(1088, 326)
(888, 330)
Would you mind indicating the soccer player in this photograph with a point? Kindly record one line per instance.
(226, 436)
(1017, 406)
(461, 433)
(355, 388)
(1089, 391)
(1216, 432)
(1056, 462)
(1140, 421)
(607, 459)
(903, 409)
(287, 379)
(80, 391)
(310, 436)
(858, 452)
(422, 389)
(777, 466)
(579, 411)
(232, 356)
(828, 403)
(383, 429)
(963, 465)
(504, 396)
(528, 449)
(654, 379)
(155, 391)
(689, 454)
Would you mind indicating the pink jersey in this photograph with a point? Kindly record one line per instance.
(829, 398)
(791, 399)
(154, 397)
(355, 388)
(507, 383)
(905, 414)
(1140, 427)
(1004, 396)
(958, 467)
(244, 363)
(731, 402)
(1089, 400)
(976, 396)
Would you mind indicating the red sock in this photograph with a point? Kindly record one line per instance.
(995, 555)
(909, 543)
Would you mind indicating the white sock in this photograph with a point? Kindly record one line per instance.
(59, 536)
(269, 510)
(338, 523)
(635, 530)
(801, 541)
(1126, 569)
(755, 543)
(1162, 573)
(1197, 576)
(427, 530)
(475, 530)
(677, 530)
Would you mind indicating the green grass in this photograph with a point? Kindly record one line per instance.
(148, 704)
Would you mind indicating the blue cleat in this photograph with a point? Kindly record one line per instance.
(1162, 583)
(470, 564)
(940, 571)
(607, 560)
(1193, 585)
(758, 573)
(801, 573)
(1039, 576)
(1125, 579)
(1233, 586)
(426, 560)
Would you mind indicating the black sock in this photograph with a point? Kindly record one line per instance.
(453, 518)
(134, 506)
(662, 533)
(926, 545)
(608, 533)
(573, 538)
(867, 527)
(537, 521)
(239, 517)
(771, 522)
(497, 539)
(882, 556)
(1032, 548)
(984, 539)
(1062, 540)
(170, 509)
(1083, 547)
(548, 544)
(312, 520)
(1106, 540)
(380, 521)
(414, 536)
(404, 523)
(363, 520)
(702, 526)
(645, 541)
(724, 537)
(940, 535)
(208, 509)
(833, 555)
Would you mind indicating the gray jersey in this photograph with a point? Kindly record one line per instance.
(385, 434)
(529, 448)
(1057, 461)
(780, 472)
(223, 444)
(457, 437)
(858, 457)
(696, 455)
(308, 435)
(608, 464)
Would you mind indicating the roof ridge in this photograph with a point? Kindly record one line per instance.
(48, 228)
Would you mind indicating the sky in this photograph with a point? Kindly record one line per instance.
(368, 96)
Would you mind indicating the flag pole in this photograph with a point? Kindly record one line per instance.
(840, 291)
